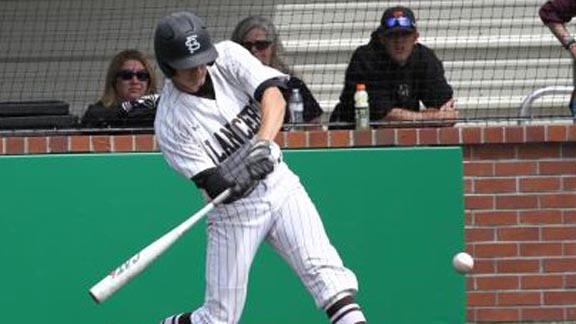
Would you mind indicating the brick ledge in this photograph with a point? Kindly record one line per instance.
(449, 136)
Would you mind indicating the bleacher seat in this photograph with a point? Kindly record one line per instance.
(51, 114)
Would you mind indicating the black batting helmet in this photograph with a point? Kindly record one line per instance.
(181, 41)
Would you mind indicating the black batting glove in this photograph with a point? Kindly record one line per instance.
(263, 156)
(241, 189)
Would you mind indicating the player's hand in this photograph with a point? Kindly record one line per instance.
(241, 189)
(262, 158)
(240, 183)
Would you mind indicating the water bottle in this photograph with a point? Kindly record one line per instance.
(362, 111)
(296, 107)
(145, 102)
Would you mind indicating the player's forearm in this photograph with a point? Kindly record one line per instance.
(273, 109)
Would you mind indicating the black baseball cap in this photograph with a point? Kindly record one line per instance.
(397, 19)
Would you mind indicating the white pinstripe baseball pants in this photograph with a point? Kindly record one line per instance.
(294, 230)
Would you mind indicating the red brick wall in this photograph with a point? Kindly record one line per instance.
(521, 228)
(520, 198)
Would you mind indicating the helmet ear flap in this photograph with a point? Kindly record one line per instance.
(166, 69)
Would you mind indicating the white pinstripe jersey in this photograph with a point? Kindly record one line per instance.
(196, 133)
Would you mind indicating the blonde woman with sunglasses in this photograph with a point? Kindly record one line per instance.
(129, 97)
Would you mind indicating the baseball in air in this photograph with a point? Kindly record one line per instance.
(463, 262)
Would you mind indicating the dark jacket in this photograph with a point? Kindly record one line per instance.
(98, 116)
(390, 85)
(557, 11)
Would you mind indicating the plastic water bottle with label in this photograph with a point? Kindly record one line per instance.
(296, 107)
(362, 111)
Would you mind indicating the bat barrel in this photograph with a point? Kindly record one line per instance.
(102, 290)
(98, 294)
(137, 263)
(119, 277)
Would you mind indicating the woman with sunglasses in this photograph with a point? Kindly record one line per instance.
(130, 94)
(400, 74)
(258, 35)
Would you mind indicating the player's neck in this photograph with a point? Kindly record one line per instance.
(207, 89)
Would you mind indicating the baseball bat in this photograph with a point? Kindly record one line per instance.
(141, 260)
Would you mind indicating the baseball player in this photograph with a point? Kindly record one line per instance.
(219, 112)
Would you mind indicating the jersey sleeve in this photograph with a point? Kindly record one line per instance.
(183, 152)
(181, 149)
(241, 67)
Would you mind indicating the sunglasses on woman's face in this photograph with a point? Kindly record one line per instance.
(259, 45)
(127, 75)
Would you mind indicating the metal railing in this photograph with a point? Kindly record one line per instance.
(526, 107)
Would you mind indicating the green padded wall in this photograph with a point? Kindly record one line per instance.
(396, 216)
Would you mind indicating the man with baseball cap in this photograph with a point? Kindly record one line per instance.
(399, 74)
(219, 113)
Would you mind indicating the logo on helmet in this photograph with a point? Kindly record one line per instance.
(192, 43)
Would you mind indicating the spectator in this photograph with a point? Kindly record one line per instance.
(129, 98)
(399, 73)
(555, 14)
(258, 34)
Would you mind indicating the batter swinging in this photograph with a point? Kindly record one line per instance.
(218, 114)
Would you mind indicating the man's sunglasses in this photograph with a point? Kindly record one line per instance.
(399, 21)
(260, 45)
(127, 75)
